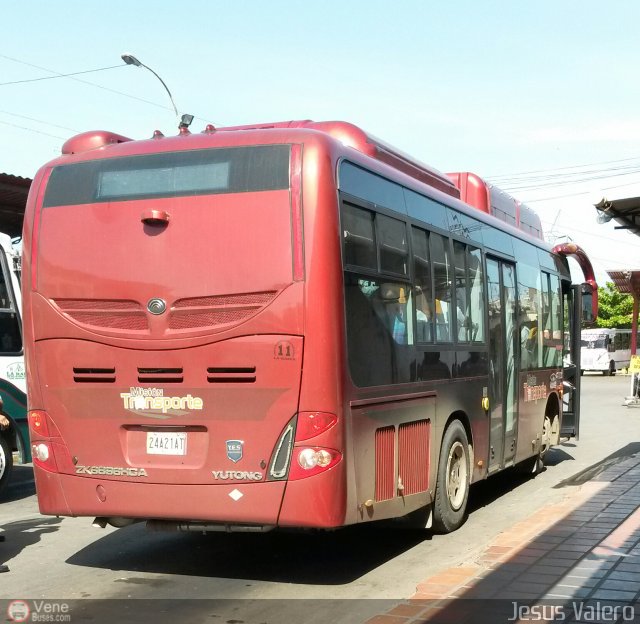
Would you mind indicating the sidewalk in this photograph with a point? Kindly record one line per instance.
(583, 552)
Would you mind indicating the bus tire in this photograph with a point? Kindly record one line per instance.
(530, 466)
(452, 485)
(6, 461)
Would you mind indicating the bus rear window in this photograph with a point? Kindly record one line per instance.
(170, 174)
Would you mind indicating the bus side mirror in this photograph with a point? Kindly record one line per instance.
(588, 316)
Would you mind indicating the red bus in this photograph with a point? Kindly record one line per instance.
(282, 325)
(492, 200)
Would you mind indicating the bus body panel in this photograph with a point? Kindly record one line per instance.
(258, 504)
(242, 389)
(248, 234)
(535, 388)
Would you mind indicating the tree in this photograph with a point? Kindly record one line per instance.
(614, 308)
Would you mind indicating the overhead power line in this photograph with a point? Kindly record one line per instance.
(604, 188)
(6, 123)
(86, 71)
(556, 169)
(98, 86)
(559, 183)
(46, 123)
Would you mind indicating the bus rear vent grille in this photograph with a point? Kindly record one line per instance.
(413, 456)
(105, 313)
(94, 375)
(160, 375)
(218, 310)
(231, 375)
(385, 460)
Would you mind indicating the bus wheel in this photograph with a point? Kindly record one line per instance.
(6, 461)
(452, 486)
(545, 439)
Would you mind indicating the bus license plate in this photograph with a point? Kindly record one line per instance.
(166, 443)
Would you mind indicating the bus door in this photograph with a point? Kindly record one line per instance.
(571, 301)
(502, 363)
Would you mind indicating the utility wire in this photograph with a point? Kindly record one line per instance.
(46, 123)
(568, 177)
(93, 84)
(524, 173)
(604, 188)
(528, 187)
(86, 71)
(618, 240)
(6, 123)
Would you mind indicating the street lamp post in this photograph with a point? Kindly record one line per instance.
(129, 59)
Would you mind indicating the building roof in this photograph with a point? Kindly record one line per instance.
(625, 211)
(626, 281)
(13, 199)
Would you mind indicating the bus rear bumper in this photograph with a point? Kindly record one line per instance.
(70, 495)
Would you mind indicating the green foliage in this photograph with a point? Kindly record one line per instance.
(614, 308)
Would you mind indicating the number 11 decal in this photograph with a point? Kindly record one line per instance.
(284, 351)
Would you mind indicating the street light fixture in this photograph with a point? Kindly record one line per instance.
(129, 59)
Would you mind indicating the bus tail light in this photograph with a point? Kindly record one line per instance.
(38, 424)
(309, 461)
(311, 424)
(43, 456)
(47, 444)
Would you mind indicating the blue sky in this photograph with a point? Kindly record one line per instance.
(497, 88)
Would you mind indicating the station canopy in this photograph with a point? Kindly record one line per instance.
(626, 281)
(625, 211)
(13, 199)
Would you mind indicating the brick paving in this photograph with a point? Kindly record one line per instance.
(584, 551)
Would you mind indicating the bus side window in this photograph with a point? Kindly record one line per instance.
(529, 303)
(463, 314)
(477, 299)
(368, 339)
(358, 236)
(423, 290)
(442, 286)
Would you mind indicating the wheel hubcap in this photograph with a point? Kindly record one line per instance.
(3, 461)
(456, 476)
(545, 442)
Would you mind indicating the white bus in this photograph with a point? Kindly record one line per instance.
(13, 400)
(605, 350)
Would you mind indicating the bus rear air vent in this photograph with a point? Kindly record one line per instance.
(217, 311)
(94, 375)
(160, 375)
(231, 375)
(109, 314)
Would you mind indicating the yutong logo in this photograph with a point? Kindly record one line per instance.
(113, 471)
(238, 475)
(139, 399)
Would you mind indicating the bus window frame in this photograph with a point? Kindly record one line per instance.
(13, 310)
(456, 235)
